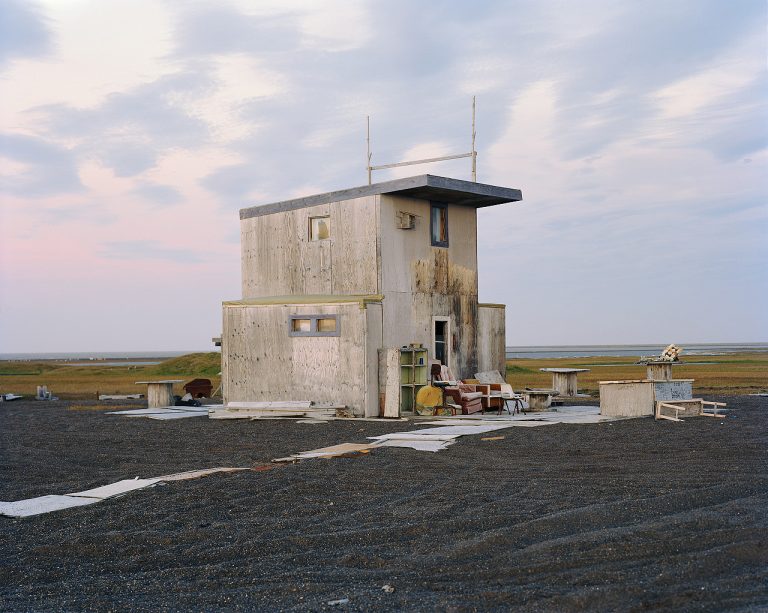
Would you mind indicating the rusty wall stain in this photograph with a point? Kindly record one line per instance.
(437, 275)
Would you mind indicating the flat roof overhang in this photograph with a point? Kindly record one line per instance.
(424, 187)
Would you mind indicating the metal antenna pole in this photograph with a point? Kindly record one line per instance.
(474, 153)
(368, 141)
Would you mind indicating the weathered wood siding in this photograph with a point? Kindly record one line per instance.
(420, 281)
(659, 372)
(160, 395)
(278, 259)
(627, 398)
(261, 362)
(491, 338)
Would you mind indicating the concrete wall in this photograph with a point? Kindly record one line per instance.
(420, 282)
(260, 361)
(278, 259)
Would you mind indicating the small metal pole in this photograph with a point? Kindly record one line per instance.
(368, 141)
(474, 153)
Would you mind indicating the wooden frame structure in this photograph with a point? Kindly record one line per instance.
(694, 407)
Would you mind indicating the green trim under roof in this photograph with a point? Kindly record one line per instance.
(491, 305)
(423, 187)
(300, 299)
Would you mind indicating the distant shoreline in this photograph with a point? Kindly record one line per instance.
(512, 352)
(588, 351)
(95, 356)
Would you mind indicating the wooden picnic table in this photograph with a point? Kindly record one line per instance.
(160, 393)
(564, 379)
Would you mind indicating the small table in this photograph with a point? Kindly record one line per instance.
(539, 400)
(564, 379)
(659, 370)
(159, 393)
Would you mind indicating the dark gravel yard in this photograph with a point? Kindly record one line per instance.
(632, 516)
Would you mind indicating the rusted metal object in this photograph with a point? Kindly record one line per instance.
(199, 388)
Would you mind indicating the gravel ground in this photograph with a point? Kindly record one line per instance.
(631, 515)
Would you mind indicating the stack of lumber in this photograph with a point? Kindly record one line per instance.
(274, 409)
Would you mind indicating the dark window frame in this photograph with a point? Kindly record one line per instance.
(434, 208)
(313, 331)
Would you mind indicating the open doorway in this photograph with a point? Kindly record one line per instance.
(441, 347)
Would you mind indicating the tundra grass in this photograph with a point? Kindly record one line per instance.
(738, 373)
(741, 373)
(81, 382)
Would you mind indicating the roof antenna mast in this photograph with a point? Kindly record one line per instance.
(472, 154)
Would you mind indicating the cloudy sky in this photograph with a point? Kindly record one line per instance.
(132, 132)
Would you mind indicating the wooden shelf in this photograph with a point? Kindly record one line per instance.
(413, 376)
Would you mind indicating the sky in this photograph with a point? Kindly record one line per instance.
(133, 131)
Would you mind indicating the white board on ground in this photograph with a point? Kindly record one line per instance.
(464, 430)
(42, 504)
(419, 444)
(138, 412)
(116, 489)
(519, 423)
(334, 450)
(283, 404)
(195, 474)
(177, 415)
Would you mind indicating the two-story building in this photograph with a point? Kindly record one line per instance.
(330, 279)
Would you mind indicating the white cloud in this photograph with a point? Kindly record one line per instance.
(98, 49)
(238, 78)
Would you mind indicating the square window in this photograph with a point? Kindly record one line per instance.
(313, 325)
(319, 228)
(439, 225)
(326, 325)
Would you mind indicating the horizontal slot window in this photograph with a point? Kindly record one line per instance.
(313, 325)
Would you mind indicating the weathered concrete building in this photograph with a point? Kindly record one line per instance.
(330, 279)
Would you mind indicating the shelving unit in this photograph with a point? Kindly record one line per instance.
(403, 372)
(413, 376)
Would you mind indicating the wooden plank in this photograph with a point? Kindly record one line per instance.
(391, 359)
(271, 404)
(491, 338)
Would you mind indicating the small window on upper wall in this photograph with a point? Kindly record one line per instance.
(439, 225)
(319, 228)
(314, 325)
(301, 325)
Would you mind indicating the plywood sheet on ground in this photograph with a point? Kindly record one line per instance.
(196, 474)
(116, 489)
(42, 504)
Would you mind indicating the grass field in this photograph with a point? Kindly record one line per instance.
(738, 373)
(741, 373)
(76, 382)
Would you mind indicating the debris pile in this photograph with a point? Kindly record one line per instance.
(670, 354)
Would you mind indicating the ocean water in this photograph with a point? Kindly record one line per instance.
(585, 351)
